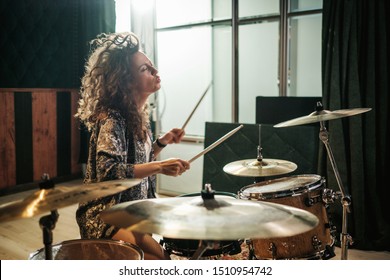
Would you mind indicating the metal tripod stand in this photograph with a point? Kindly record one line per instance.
(345, 199)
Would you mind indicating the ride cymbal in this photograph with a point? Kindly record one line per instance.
(210, 219)
(323, 115)
(46, 200)
(256, 168)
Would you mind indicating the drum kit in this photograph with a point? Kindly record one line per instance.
(283, 218)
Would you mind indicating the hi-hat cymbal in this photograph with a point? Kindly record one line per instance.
(46, 200)
(210, 219)
(323, 115)
(263, 168)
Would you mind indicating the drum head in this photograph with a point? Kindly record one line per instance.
(281, 187)
(92, 249)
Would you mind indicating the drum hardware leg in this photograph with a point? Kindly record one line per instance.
(251, 250)
(345, 200)
(345, 238)
(328, 253)
(272, 250)
(47, 223)
(203, 246)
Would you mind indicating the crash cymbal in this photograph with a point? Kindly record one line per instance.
(323, 115)
(210, 219)
(46, 200)
(255, 168)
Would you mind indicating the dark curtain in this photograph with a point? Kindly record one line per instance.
(95, 17)
(356, 75)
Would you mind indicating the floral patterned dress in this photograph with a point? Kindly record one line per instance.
(112, 155)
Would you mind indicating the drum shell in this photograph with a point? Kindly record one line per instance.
(91, 249)
(310, 244)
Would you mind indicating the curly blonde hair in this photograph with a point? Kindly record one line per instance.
(106, 83)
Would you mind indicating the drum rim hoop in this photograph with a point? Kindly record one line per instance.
(284, 193)
(93, 240)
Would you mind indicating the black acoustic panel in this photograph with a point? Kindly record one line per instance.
(298, 144)
(64, 148)
(23, 137)
(277, 109)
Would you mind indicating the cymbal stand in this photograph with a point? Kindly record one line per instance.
(259, 148)
(259, 157)
(203, 247)
(207, 193)
(47, 223)
(345, 198)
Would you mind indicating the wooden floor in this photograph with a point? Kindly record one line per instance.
(21, 237)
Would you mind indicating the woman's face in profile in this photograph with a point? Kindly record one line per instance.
(146, 78)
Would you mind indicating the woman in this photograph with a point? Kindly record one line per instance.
(118, 80)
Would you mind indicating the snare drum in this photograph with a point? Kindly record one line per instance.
(187, 248)
(92, 249)
(301, 191)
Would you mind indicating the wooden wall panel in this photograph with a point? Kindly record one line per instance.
(38, 134)
(7, 140)
(44, 106)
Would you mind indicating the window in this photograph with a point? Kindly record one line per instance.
(279, 53)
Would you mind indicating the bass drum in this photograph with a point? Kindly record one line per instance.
(92, 249)
(187, 248)
(301, 191)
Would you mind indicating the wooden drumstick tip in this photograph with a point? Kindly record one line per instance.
(216, 143)
(196, 106)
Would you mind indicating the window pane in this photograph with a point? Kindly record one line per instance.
(180, 12)
(222, 73)
(123, 20)
(305, 5)
(222, 10)
(190, 181)
(258, 66)
(305, 56)
(184, 63)
(257, 7)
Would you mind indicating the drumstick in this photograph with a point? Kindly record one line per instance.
(216, 143)
(196, 106)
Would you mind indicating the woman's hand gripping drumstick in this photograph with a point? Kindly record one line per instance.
(216, 143)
